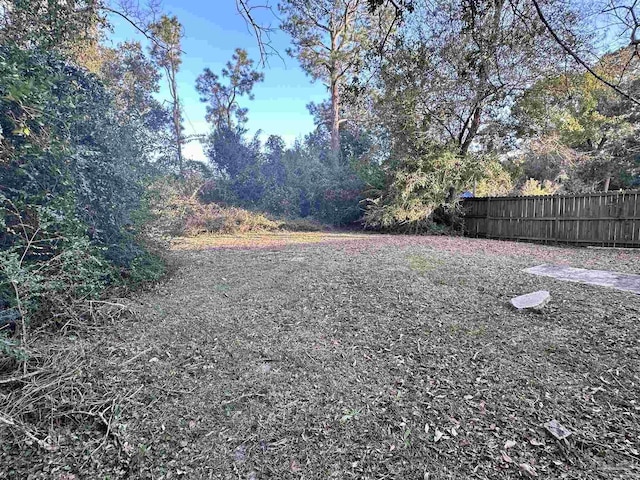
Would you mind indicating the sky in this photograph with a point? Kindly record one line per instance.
(213, 30)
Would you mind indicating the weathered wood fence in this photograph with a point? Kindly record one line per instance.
(607, 219)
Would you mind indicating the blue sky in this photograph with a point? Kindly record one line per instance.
(213, 30)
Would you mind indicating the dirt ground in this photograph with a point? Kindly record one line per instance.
(348, 356)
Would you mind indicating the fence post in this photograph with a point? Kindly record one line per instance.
(487, 221)
(556, 233)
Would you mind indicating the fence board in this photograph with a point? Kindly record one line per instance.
(606, 219)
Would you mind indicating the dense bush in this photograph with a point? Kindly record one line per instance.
(299, 182)
(495, 179)
(174, 209)
(534, 187)
(416, 187)
(71, 177)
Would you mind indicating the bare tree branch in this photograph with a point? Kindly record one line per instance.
(577, 57)
(143, 30)
(630, 19)
(262, 32)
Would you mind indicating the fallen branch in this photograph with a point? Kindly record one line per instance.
(31, 436)
(20, 378)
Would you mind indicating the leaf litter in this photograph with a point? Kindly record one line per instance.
(358, 360)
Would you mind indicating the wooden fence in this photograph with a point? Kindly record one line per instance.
(606, 219)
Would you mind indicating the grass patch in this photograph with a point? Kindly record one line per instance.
(422, 264)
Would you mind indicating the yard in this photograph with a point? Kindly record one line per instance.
(341, 356)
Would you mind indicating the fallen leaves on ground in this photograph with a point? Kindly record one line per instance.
(329, 356)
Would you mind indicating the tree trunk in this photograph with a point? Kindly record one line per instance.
(177, 124)
(178, 133)
(607, 178)
(335, 116)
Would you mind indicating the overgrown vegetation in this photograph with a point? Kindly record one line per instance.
(71, 177)
(173, 208)
(426, 101)
(471, 102)
(479, 100)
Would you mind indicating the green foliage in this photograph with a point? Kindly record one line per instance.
(166, 48)
(495, 180)
(416, 187)
(587, 136)
(534, 187)
(222, 100)
(52, 26)
(11, 348)
(48, 262)
(166, 52)
(144, 268)
(71, 175)
(303, 181)
(75, 149)
(572, 106)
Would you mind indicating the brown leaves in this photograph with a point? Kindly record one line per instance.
(505, 457)
(509, 444)
(337, 306)
(528, 469)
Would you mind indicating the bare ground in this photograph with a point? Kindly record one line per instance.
(341, 356)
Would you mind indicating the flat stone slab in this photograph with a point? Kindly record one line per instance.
(535, 300)
(558, 430)
(621, 281)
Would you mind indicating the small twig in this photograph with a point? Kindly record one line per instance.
(31, 436)
(108, 425)
(23, 323)
(20, 378)
(108, 303)
(242, 397)
(137, 356)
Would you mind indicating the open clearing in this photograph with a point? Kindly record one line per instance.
(341, 356)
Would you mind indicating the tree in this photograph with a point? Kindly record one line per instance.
(129, 75)
(222, 100)
(57, 26)
(329, 38)
(167, 53)
(594, 129)
(273, 166)
(448, 81)
(622, 18)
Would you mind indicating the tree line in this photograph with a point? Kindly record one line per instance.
(427, 99)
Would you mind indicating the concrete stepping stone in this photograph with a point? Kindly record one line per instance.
(531, 301)
(620, 281)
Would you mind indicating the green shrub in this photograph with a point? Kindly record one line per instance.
(416, 186)
(49, 263)
(172, 208)
(146, 267)
(71, 173)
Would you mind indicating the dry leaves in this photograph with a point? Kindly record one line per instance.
(528, 469)
(438, 365)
